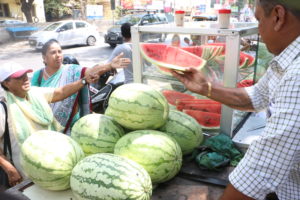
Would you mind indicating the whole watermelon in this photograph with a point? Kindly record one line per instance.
(108, 177)
(138, 106)
(97, 133)
(48, 158)
(184, 129)
(157, 152)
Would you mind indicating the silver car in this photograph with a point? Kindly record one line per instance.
(67, 33)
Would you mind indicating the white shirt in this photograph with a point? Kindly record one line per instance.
(272, 162)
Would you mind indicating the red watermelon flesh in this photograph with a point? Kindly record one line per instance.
(250, 58)
(245, 83)
(197, 50)
(172, 96)
(213, 108)
(170, 57)
(207, 120)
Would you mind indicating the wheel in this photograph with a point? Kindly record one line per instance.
(91, 41)
(112, 45)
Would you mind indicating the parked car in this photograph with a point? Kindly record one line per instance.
(70, 32)
(114, 37)
(11, 22)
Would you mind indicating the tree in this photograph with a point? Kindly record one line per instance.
(26, 7)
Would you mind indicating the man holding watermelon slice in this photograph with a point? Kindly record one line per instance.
(272, 162)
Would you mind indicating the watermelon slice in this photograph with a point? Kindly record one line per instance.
(172, 96)
(251, 59)
(168, 58)
(245, 83)
(207, 120)
(206, 52)
(243, 59)
(213, 108)
(195, 101)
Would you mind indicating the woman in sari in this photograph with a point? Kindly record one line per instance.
(55, 74)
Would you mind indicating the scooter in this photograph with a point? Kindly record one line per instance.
(100, 91)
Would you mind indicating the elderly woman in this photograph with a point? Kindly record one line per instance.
(28, 111)
(55, 74)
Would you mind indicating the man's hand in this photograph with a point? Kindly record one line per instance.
(193, 80)
(120, 62)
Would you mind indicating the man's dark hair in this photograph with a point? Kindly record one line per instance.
(47, 45)
(125, 30)
(268, 5)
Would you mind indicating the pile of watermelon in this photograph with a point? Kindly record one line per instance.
(103, 161)
(207, 112)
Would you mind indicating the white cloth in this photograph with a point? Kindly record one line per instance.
(48, 94)
(272, 162)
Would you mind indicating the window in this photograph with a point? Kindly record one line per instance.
(81, 25)
(67, 26)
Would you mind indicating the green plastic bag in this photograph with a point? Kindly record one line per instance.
(220, 151)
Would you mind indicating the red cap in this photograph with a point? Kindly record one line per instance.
(20, 73)
(225, 11)
(179, 12)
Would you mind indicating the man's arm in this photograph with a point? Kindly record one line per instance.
(231, 193)
(195, 81)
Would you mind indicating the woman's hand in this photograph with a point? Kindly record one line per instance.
(14, 176)
(119, 62)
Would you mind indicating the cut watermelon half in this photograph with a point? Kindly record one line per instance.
(243, 60)
(245, 83)
(206, 120)
(213, 108)
(168, 58)
(250, 59)
(172, 96)
(195, 101)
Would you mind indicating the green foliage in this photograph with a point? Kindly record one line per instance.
(57, 8)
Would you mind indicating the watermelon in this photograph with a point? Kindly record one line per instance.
(245, 83)
(168, 58)
(206, 52)
(213, 108)
(138, 106)
(157, 152)
(48, 157)
(195, 101)
(250, 59)
(184, 129)
(206, 120)
(108, 176)
(97, 133)
(172, 96)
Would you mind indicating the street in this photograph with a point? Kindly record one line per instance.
(21, 52)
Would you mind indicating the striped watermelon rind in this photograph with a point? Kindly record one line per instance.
(97, 133)
(108, 176)
(157, 152)
(138, 106)
(48, 157)
(184, 129)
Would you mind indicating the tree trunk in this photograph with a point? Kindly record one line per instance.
(83, 9)
(26, 6)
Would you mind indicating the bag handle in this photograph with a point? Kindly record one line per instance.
(7, 144)
(74, 105)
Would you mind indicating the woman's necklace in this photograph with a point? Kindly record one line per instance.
(47, 75)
